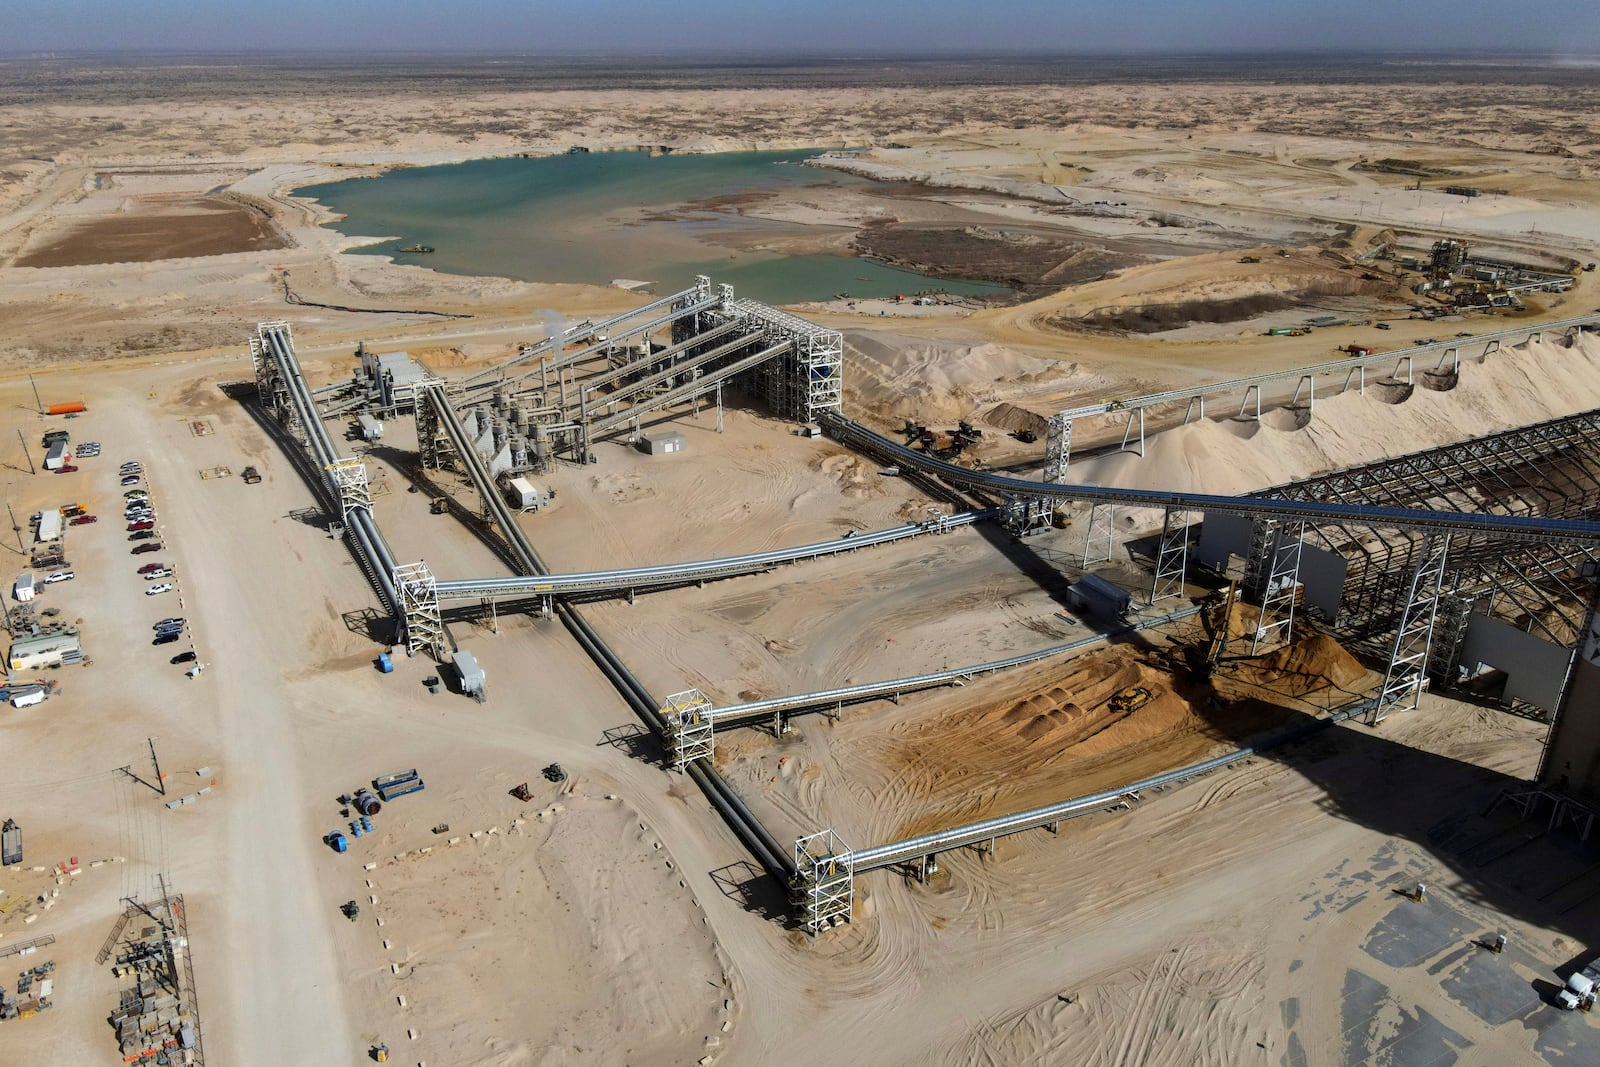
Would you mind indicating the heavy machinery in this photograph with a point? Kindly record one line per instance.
(350, 910)
(439, 506)
(1129, 700)
(250, 475)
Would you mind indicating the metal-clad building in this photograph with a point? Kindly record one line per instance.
(661, 443)
(45, 650)
(1095, 596)
(49, 525)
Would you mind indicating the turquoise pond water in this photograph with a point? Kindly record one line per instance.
(596, 217)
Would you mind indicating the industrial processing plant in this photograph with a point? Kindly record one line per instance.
(1009, 562)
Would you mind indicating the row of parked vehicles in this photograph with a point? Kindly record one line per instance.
(140, 512)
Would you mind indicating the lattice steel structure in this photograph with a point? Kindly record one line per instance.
(419, 605)
(1281, 590)
(1172, 555)
(687, 716)
(1408, 660)
(805, 381)
(350, 480)
(1057, 447)
(1548, 469)
(824, 888)
(1100, 538)
(271, 389)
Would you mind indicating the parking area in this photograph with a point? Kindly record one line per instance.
(95, 539)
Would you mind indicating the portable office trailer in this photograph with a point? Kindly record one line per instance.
(56, 458)
(468, 672)
(49, 525)
(25, 588)
(524, 495)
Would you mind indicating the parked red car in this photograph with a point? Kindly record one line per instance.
(84, 520)
(151, 546)
(66, 468)
(148, 567)
(143, 524)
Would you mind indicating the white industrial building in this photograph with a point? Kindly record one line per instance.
(658, 444)
(25, 588)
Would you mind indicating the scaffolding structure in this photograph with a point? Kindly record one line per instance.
(824, 886)
(805, 381)
(1100, 539)
(687, 716)
(419, 605)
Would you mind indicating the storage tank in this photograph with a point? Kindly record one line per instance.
(67, 409)
(366, 803)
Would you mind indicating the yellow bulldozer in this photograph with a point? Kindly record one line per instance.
(1129, 700)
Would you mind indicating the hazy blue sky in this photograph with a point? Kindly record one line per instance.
(885, 26)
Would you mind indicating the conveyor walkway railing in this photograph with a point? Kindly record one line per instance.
(758, 710)
(371, 549)
(602, 426)
(694, 571)
(1442, 348)
(534, 351)
(986, 831)
(1504, 527)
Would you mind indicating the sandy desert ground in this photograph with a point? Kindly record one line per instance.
(1251, 916)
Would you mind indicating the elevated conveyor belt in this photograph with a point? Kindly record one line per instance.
(534, 351)
(370, 548)
(1438, 349)
(978, 833)
(600, 427)
(616, 374)
(761, 710)
(744, 825)
(1503, 527)
(696, 571)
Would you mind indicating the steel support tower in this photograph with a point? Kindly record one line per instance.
(271, 388)
(824, 889)
(1172, 555)
(1100, 539)
(419, 604)
(1281, 590)
(1408, 662)
(350, 479)
(687, 716)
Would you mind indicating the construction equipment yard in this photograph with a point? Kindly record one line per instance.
(668, 677)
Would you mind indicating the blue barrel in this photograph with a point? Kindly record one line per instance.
(366, 824)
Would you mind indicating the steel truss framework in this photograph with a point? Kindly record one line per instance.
(419, 601)
(1551, 469)
(1100, 540)
(1172, 555)
(824, 888)
(1408, 660)
(688, 720)
(350, 479)
(1280, 590)
(271, 389)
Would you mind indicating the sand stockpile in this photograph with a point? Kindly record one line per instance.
(1306, 666)
(1067, 738)
(894, 375)
(1012, 419)
(1513, 387)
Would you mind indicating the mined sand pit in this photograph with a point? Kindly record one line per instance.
(153, 228)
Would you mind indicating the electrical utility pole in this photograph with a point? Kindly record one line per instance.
(23, 441)
(39, 404)
(161, 782)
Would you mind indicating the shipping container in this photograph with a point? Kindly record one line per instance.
(56, 458)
